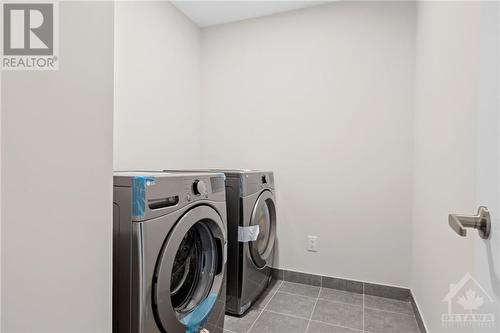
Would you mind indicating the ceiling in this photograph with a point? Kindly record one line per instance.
(207, 13)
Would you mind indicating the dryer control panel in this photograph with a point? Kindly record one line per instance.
(256, 181)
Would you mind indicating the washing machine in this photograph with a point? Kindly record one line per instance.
(251, 216)
(169, 252)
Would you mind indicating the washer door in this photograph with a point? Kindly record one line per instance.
(189, 271)
(263, 215)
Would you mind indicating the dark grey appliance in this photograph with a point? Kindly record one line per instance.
(169, 252)
(250, 196)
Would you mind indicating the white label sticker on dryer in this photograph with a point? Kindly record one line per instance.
(248, 234)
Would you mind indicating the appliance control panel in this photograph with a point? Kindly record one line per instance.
(266, 180)
(205, 187)
(156, 193)
(255, 181)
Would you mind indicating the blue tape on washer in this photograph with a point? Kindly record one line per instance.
(139, 184)
(196, 319)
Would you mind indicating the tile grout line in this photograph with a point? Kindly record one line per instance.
(253, 323)
(314, 308)
(338, 302)
(315, 320)
(363, 306)
(341, 326)
(294, 294)
(286, 314)
(270, 298)
(390, 298)
(329, 300)
(339, 290)
(347, 303)
(263, 308)
(393, 312)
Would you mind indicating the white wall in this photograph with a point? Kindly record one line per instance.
(56, 182)
(487, 252)
(324, 97)
(445, 149)
(157, 87)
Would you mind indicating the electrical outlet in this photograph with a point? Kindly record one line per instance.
(312, 243)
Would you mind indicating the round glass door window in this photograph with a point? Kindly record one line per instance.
(263, 215)
(263, 220)
(189, 272)
(193, 269)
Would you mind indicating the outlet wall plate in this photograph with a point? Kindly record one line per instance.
(312, 243)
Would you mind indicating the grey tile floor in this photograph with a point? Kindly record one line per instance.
(297, 308)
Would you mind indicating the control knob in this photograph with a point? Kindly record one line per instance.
(199, 187)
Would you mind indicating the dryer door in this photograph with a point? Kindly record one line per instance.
(190, 271)
(263, 215)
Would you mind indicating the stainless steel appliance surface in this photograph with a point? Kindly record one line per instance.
(169, 252)
(251, 217)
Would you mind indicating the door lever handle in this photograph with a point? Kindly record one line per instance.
(481, 222)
